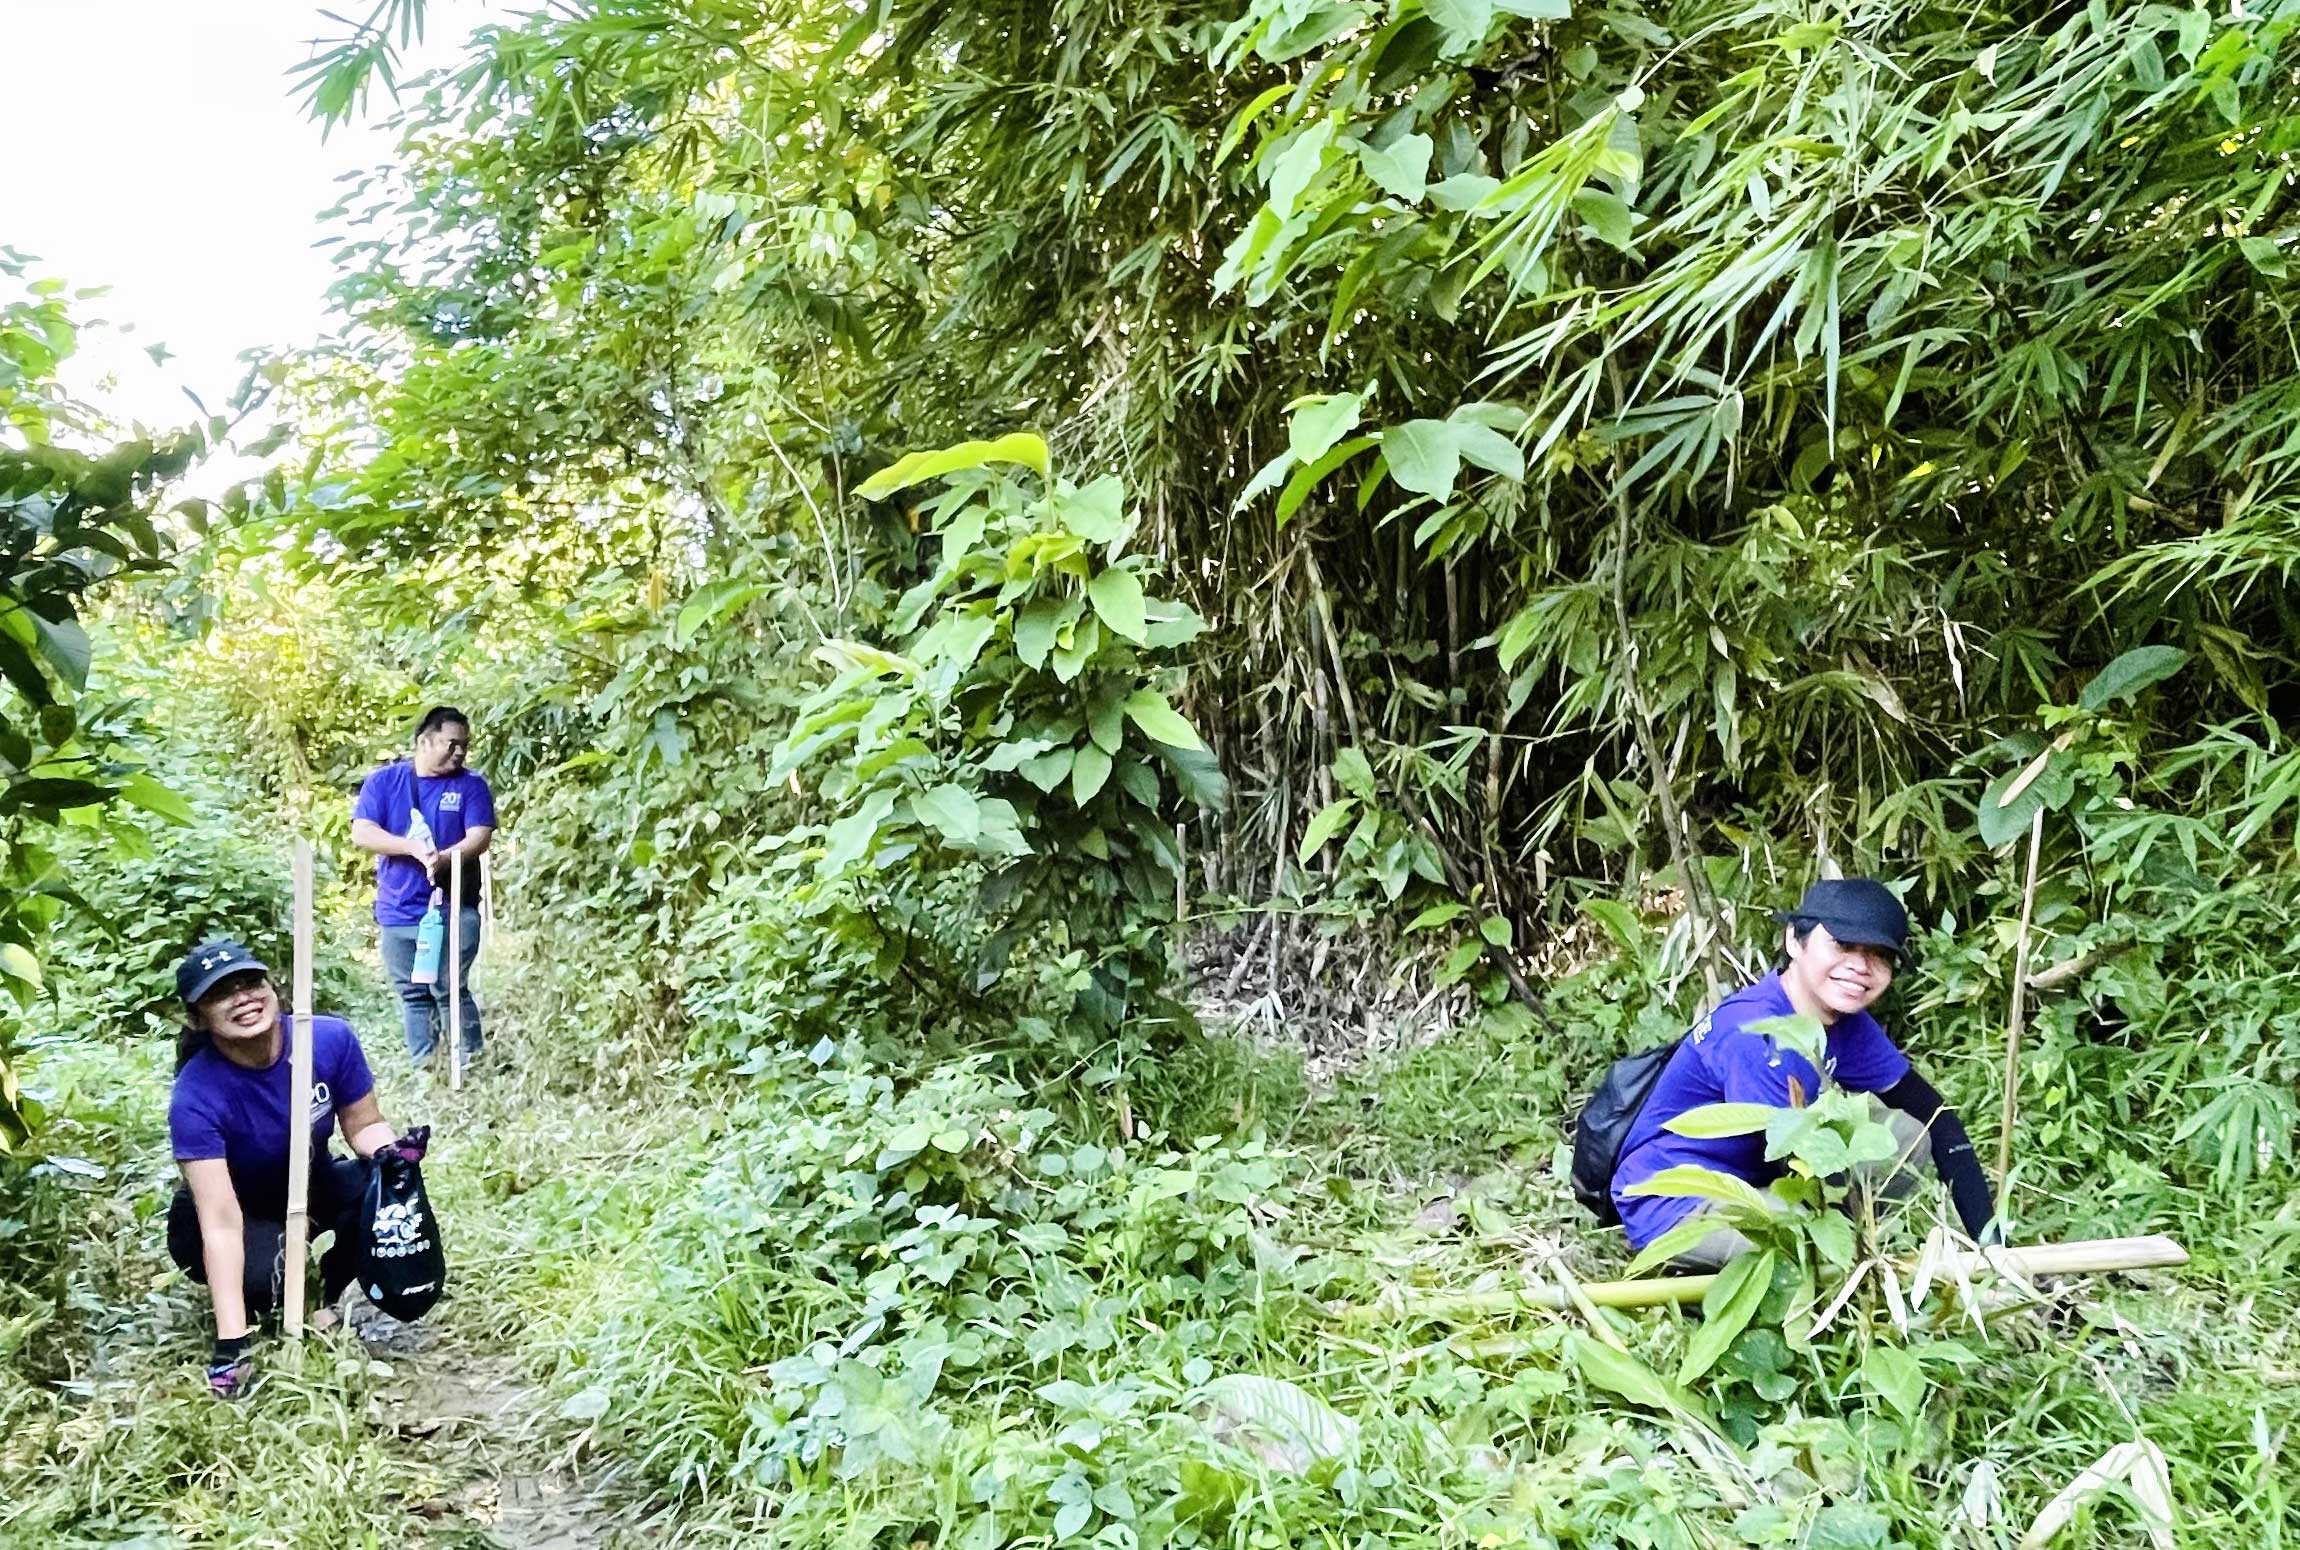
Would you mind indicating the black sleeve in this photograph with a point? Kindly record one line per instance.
(1953, 1157)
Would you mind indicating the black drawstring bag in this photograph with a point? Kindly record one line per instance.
(402, 1267)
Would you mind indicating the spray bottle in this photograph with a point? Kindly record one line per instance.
(428, 937)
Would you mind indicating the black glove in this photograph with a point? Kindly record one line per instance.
(230, 1367)
(408, 1148)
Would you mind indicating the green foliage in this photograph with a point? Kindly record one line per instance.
(1018, 732)
(70, 520)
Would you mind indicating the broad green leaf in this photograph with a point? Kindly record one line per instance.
(1401, 168)
(65, 644)
(1097, 513)
(1310, 475)
(145, 792)
(19, 965)
(1324, 827)
(2049, 792)
(1285, 1413)
(1117, 596)
(1894, 1376)
(1488, 448)
(2263, 254)
(1726, 1309)
(1692, 1181)
(1147, 709)
(1465, 21)
(2130, 673)
(1293, 168)
(1049, 769)
(951, 810)
(1620, 1373)
(1106, 722)
(1424, 456)
(709, 603)
(1034, 630)
(1607, 215)
(1016, 447)
(1318, 423)
(1071, 655)
(1712, 1120)
(1088, 770)
(1495, 929)
(1437, 915)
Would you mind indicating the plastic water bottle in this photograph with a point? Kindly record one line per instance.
(428, 938)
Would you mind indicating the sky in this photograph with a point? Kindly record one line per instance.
(157, 148)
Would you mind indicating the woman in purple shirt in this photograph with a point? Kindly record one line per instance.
(1839, 951)
(229, 1119)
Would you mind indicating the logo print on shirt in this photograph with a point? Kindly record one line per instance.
(451, 802)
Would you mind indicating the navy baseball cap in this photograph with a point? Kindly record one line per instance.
(1857, 911)
(211, 962)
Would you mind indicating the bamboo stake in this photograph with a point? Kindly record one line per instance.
(298, 1222)
(486, 900)
(2087, 1257)
(455, 974)
(2017, 1022)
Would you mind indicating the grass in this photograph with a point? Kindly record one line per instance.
(754, 1320)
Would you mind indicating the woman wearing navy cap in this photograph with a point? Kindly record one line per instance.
(229, 1121)
(1839, 950)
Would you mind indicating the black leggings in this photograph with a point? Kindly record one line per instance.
(337, 1185)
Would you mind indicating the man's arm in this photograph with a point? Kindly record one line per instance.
(374, 838)
(474, 842)
(1953, 1157)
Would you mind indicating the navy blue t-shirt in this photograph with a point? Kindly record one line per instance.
(1723, 1062)
(450, 806)
(224, 1110)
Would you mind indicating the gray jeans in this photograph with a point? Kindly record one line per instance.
(1881, 1183)
(423, 1008)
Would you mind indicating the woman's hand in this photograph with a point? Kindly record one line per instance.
(230, 1368)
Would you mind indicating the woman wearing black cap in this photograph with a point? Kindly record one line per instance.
(1839, 951)
(229, 1120)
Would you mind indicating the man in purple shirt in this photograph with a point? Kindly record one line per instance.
(1840, 948)
(420, 817)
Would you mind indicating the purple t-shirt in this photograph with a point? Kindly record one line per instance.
(224, 1110)
(1723, 1062)
(451, 806)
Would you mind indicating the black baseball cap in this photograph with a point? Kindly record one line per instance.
(211, 962)
(1858, 911)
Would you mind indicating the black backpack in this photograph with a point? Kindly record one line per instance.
(402, 1267)
(1605, 1121)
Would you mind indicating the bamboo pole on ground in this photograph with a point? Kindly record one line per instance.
(486, 899)
(298, 1223)
(2087, 1257)
(455, 974)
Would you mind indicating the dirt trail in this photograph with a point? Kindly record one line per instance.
(474, 1419)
